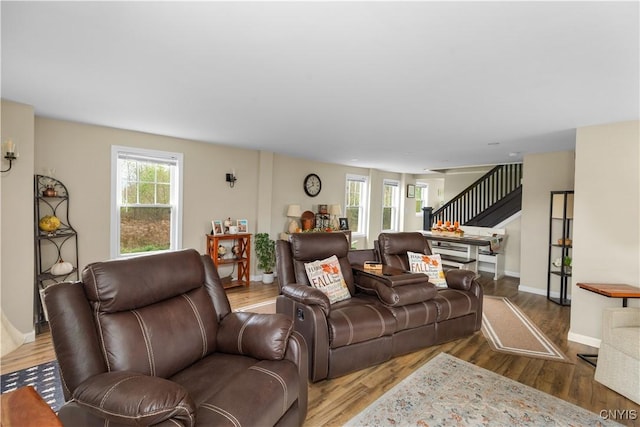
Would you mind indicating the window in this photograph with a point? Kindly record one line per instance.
(390, 205)
(356, 203)
(422, 195)
(146, 201)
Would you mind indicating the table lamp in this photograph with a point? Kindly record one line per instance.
(335, 211)
(294, 211)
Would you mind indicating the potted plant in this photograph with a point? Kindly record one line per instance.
(567, 264)
(266, 253)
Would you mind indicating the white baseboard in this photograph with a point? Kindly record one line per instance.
(583, 339)
(30, 336)
(512, 273)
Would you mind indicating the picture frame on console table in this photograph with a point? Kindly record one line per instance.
(344, 223)
(243, 226)
(216, 226)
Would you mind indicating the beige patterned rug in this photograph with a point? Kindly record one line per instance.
(447, 391)
(509, 330)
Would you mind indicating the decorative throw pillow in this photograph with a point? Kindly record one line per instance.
(431, 265)
(326, 275)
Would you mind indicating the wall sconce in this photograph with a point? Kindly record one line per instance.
(9, 153)
(294, 211)
(231, 178)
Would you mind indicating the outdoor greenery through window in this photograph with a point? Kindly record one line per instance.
(147, 193)
(422, 193)
(356, 202)
(390, 205)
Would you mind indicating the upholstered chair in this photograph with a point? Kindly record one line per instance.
(152, 340)
(619, 357)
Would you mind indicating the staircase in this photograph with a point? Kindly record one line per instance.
(490, 200)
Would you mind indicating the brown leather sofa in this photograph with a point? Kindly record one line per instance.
(152, 340)
(386, 315)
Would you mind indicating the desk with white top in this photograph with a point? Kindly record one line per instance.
(469, 246)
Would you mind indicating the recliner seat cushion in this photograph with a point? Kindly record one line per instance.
(356, 320)
(453, 303)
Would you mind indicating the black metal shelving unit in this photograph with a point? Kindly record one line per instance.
(560, 245)
(51, 198)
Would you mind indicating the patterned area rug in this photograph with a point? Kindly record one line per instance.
(44, 378)
(509, 330)
(447, 391)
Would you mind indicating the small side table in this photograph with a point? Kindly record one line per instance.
(25, 408)
(609, 290)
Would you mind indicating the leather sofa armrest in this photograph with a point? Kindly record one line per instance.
(307, 295)
(261, 336)
(411, 292)
(126, 397)
(460, 279)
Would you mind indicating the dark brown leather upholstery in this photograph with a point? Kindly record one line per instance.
(153, 341)
(383, 318)
(459, 306)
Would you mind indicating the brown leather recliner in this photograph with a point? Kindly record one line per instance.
(460, 306)
(385, 316)
(152, 341)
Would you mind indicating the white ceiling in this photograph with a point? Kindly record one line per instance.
(400, 86)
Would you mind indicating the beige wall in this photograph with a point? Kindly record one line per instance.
(606, 246)
(542, 173)
(81, 157)
(16, 265)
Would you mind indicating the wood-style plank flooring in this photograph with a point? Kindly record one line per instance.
(333, 402)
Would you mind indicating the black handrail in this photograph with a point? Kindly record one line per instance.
(489, 189)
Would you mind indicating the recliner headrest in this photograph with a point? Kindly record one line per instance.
(315, 246)
(127, 284)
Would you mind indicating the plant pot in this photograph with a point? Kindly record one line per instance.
(267, 278)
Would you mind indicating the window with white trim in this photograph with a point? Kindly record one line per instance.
(422, 195)
(356, 202)
(390, 205)
(146, 201)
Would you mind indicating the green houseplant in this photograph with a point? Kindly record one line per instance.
(266, 253)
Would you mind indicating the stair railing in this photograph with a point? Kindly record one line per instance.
(482, 194)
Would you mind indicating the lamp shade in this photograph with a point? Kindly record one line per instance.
(335, 210)
(294, 211)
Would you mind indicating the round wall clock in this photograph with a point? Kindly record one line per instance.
(312, 185)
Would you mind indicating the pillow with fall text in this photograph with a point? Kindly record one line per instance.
(326, 276)
(431, 265)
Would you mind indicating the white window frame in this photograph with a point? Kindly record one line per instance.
(364, 202)
(176, 182)
(425, 196)
(395, 204)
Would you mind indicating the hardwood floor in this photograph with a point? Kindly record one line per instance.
(333, 402)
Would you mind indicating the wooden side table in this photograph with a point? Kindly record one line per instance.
(609, 290)
(242, 258)
(25, 408)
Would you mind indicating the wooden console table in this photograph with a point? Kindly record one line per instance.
(241, 259)
(25, 408)
(612, 290)
(609, 290)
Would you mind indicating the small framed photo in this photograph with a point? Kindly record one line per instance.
(243, 226)
(344, 223)
(216, 226)
(411, 191)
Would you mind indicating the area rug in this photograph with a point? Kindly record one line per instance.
(509, 330)
(447, 391)
(45, 378)
(267, 307)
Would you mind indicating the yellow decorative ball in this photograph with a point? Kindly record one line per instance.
(49, 223)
